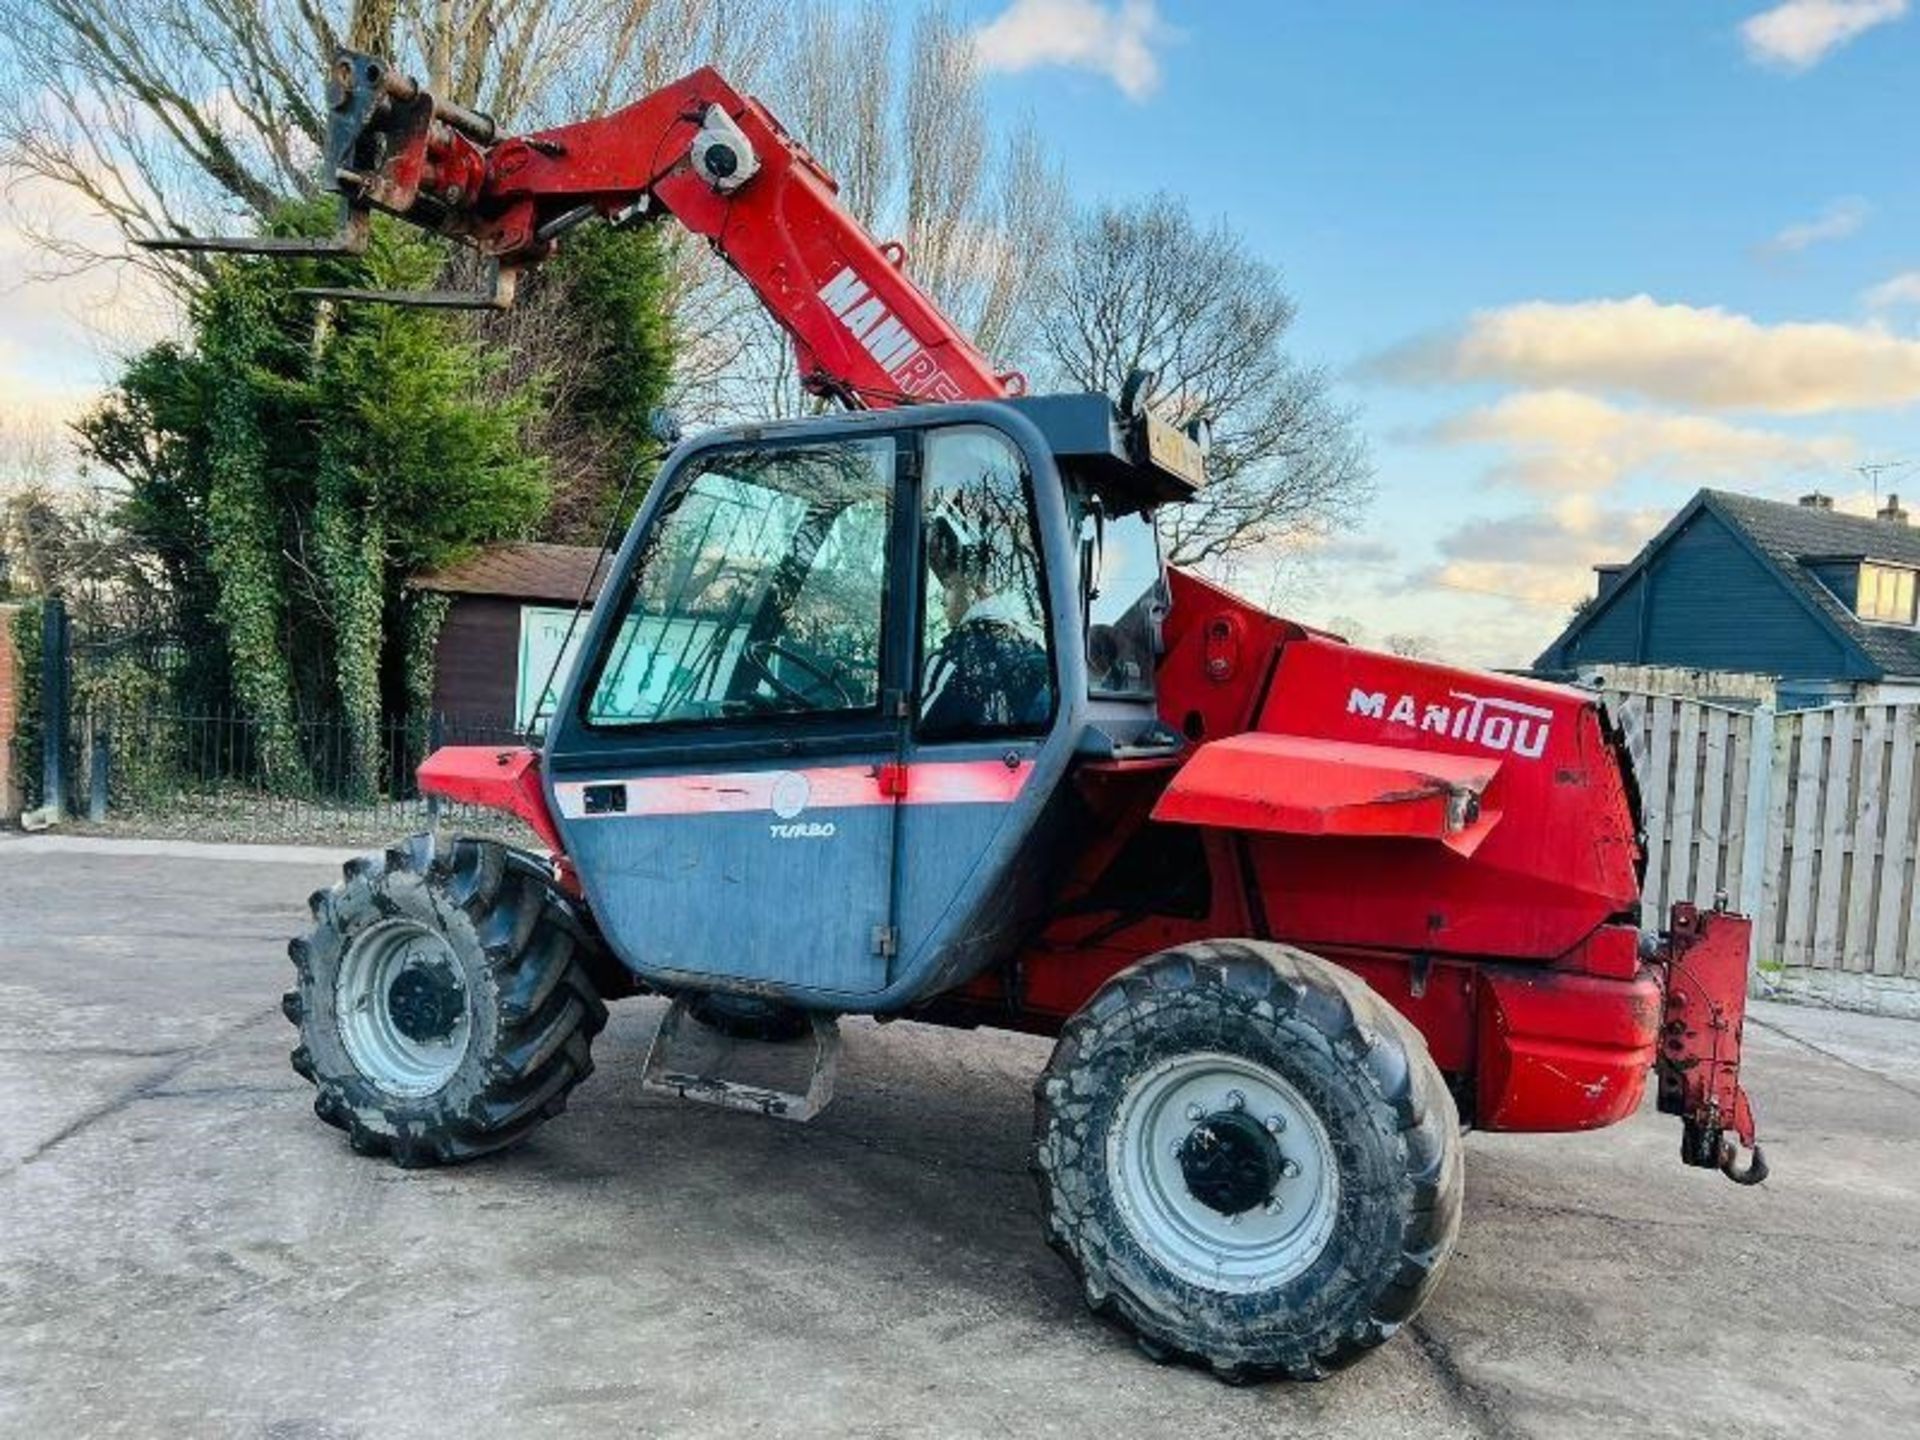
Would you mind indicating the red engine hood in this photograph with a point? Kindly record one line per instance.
(1560, 862)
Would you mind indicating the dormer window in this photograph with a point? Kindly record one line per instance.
(1886, 594)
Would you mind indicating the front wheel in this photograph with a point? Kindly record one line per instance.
(1249, 1159)
(443, 1000)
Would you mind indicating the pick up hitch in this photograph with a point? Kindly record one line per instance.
(1756, 1167)
(1704, 955)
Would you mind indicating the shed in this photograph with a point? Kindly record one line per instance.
(510, 611)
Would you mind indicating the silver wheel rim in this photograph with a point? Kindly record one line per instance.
(401, 1008)
(1267, 1243)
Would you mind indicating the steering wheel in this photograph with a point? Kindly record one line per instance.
(759, 657)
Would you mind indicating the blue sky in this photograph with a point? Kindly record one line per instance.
(1569, 259)
(1413, 166)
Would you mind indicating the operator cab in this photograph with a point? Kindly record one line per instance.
(1117, 467)
(855, 657)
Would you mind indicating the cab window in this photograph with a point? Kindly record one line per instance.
(1125, 601)
(984, 662)
(760, 591)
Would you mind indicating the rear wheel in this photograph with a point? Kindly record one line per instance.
(443, 1001)
(1249, 1159)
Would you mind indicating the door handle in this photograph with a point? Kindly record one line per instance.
(604, 800)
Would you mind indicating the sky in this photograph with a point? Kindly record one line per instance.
(1567, 261)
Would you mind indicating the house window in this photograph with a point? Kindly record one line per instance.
(1886, 594)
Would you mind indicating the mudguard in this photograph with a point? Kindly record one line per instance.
(1300, 785)
(496, 778)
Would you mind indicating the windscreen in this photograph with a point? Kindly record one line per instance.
(759, 590)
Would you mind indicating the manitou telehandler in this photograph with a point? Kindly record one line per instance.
(899, 713)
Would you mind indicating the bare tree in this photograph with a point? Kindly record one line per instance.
(1411, 646)
(60, 534)
(1140, 286)
(907, 136)
(175, 116)
(171, 116)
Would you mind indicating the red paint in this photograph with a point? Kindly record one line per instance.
(783, 232)
(1561, 1051)
(1704, 1014)
(1559, 864)
(1287, 784)
(830, 787)
(496, 779)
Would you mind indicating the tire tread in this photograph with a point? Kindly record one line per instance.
(548, 1013)
(1352, 1017)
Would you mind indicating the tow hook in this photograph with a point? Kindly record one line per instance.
(1756, 1168)
(1704, 955)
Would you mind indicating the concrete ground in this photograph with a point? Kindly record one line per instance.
(185, 1250)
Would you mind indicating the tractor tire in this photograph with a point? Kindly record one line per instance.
(444, 1002)
(747, 1017)
(1249, 1159)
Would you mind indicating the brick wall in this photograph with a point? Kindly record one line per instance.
(9, 698)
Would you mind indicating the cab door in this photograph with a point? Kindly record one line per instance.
(985, 696)
(725, 771)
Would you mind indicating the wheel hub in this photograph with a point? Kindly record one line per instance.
(1230, 1162)
(1223, 1171)
(426, 1002)
(402, 1009)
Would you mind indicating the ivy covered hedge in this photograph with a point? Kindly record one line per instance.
(290, 465)
(28, 747)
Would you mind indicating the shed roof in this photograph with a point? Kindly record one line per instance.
(528, 570)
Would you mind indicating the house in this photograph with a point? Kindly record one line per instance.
(1816, 604)
(510, 611)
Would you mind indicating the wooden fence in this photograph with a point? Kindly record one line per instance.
(1806, 820)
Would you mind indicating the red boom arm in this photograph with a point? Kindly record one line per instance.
(721, 165)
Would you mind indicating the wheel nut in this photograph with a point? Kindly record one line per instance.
(1274, 1205)
(1235, 1100)
(1233, 1220)
(1194, 1112)
(1289, 1170)
(1275, 1124)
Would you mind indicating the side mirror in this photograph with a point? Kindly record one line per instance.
(1138, 390)
(664, 426)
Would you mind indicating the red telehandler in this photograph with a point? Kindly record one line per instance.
(899, 712)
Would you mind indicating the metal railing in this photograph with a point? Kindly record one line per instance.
(228, 776)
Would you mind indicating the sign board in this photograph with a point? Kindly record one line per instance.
(544, 634)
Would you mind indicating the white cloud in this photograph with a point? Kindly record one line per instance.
(1561, 442)
(1801, 33)
(1543, 558)
(63, 332)
(1120, 41)
(1839, 220)
(1679, 354)
(1902, 289)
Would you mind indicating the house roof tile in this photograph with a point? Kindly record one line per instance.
(1790, 533)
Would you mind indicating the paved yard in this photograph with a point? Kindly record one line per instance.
(185, 1250)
